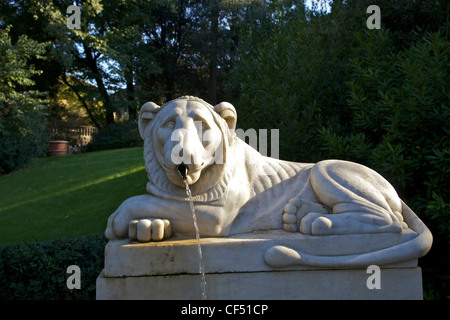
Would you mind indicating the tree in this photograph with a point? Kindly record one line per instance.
(27, 18)
(167, 41)
(68, 52)
(127, 45)
(214, 41)
(22, 111)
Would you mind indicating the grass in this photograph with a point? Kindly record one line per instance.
(61, 197)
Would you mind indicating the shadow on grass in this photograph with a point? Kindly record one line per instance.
(62, 193)
(67, 212)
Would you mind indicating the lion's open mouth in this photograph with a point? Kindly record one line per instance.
(182, 169)
(181, 174)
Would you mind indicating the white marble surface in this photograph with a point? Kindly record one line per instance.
(396, 284)
(244, 253)
(238, 191)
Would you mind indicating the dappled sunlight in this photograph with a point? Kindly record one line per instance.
(54, 175)
(67, 196)
(80, 186)
(75, 210)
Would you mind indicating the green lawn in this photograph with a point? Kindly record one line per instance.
(61, 197)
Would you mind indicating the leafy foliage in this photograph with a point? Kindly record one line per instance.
(38, 270)
(22, 111)
(115, 136)
(401, 105)
(290, 78)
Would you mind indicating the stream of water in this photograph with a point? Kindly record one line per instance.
(199, 247)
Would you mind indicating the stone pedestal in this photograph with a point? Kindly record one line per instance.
(236, 269)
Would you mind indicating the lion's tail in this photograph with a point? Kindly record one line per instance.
(281, 256)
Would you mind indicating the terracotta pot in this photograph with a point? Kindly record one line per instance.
(57, 148)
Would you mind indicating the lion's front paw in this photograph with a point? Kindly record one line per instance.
(145, 230)
(296, 209)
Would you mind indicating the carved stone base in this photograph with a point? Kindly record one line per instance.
(396, 283)
(236, 269)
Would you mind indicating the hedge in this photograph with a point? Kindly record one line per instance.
(38, 271)
(116, 136)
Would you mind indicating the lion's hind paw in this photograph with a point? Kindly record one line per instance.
(296, 209)
(290, 220)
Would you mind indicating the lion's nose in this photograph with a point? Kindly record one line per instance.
(190, 150)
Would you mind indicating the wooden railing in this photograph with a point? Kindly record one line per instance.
(80, 135)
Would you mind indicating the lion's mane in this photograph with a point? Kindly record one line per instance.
(159, 185)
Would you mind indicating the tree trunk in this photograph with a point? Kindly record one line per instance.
(89, 112)
(132, 113)
(92, 64)
(213, 64)
(212, 85)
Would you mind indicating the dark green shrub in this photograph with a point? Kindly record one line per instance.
(402, 107)
(400, 103)
(38, 271)
(115, 136)
(22, 110)
(290, 76)
(21, 139)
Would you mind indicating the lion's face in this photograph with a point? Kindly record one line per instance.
(188, 134)
(187, 131)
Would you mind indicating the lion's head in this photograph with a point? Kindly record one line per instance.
(191, 132)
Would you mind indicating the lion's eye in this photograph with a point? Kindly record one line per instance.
(169, 125)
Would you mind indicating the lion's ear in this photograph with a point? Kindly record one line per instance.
(146, 113)
(228, 113)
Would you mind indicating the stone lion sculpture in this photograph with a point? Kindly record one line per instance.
(237, 190)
